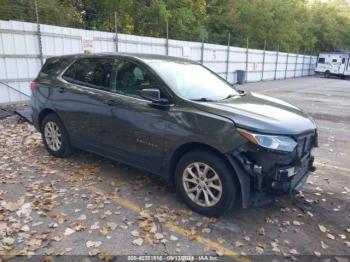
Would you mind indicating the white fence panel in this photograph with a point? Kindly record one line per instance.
(20, 55)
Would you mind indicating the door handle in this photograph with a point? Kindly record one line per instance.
(61, 90)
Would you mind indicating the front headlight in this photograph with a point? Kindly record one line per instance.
(281, 143)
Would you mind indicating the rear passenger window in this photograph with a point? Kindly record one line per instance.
(334, 60)
(321, 60)
(95, 73)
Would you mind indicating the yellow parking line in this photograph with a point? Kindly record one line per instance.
(178, 229)
(332, 166)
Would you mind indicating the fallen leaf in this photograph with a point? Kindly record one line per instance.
(9, 241)
(25, 228)
(104, 255)
(261, 231)
(238, 244)
(330, 236)
(111, 225)
(324, 245)
(95, 225)
(68, 231)
(77, 227)
(173, 238)
(293, 252)
(296, 223)
(56, 238)
(135, 233)
(342, 236)
(322, 228)
(82, 217)
(137, 242)
(60, 218)
(25, 210)
(104, 231)
(94, 244)
(221, 240)
(206, 230)
(158, 236)
(94, 252)
(259, 249)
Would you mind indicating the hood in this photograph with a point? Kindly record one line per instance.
(263, 114)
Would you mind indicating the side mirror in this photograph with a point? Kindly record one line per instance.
(153, 94)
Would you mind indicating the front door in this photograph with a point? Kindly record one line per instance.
(140, 125)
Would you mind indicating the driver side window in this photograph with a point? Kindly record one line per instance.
(131, 79)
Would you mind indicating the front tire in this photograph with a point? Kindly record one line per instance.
(55, 136)
(205, 182)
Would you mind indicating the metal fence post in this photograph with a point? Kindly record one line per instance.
(263, 63)
(116, 31)
(167, 38)
(286, 69)
(39, 32)
(228, 55)
(296, 63)
(302, 67)
(202, 51)
(276, 64)
(310, 60)
(246, 61)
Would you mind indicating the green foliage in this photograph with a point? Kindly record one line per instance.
(284, 24)
(53, 12)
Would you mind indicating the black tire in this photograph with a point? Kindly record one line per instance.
(342, 76)
(64, 149)
(223, 170)
(327, 74)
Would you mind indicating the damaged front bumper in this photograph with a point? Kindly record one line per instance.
(265, 174)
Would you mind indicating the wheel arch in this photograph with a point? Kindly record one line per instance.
(193, 146)
(44, 113)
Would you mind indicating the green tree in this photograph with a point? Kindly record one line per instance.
(52, 12)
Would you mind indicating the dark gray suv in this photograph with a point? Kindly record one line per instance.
(177, 119)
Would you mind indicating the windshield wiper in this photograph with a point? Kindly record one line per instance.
(240, 93)
(230, 96)
(203, 99)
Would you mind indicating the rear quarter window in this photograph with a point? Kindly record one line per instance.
(92, 72)
(53, 66)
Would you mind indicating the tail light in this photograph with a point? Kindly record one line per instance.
(33, 85)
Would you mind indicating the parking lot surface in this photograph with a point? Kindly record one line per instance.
(88, 205)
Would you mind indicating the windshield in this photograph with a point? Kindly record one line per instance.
(193, 81)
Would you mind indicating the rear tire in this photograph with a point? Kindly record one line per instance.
(205, 183)
(327, 74)
(55, 136)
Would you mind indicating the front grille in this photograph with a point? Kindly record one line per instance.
(305, 144)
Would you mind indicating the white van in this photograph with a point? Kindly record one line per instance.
(335, 63)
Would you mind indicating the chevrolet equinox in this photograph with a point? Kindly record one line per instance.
(175, 118)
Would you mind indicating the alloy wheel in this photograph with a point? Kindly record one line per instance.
(53, 136)
(202, 184)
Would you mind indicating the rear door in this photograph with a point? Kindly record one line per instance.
(82, 102)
